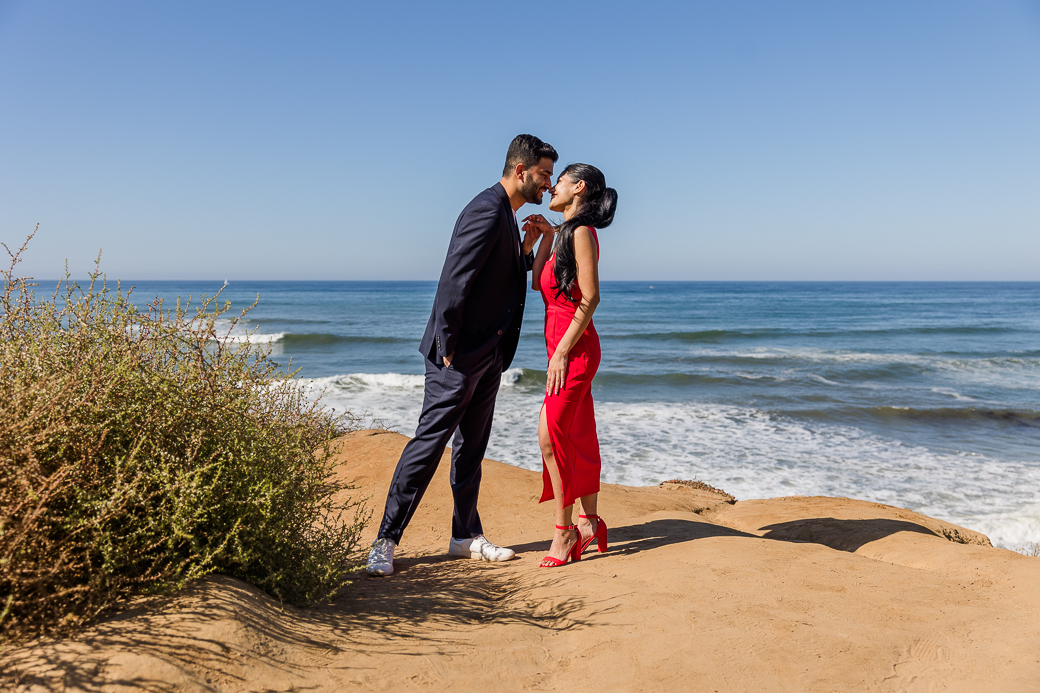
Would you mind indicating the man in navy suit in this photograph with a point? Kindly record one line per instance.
(470, 339)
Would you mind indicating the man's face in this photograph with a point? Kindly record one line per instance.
(537, 179)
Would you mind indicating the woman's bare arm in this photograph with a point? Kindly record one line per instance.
(538, 222)
(586, 256)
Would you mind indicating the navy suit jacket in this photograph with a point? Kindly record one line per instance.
(480, 295)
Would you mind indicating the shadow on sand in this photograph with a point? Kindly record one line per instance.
(842, 535)
(632, 539)
(220, 622)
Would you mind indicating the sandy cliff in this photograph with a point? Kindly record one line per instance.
(787, 594)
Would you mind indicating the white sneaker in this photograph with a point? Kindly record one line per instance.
(480, 548)
(381, 557)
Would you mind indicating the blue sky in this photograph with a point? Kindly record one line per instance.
(747, 140)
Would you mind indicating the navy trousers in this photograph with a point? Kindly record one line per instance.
(460, 400)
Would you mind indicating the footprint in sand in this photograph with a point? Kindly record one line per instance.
(922, 667)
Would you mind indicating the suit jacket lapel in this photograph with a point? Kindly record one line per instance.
(517, 245)
(513, 231)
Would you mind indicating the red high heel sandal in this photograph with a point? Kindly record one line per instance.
(575, 553)
(600, 537)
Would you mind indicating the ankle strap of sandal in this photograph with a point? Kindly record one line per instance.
(567, 527)
(590, 517)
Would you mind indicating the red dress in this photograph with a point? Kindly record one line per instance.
(569, 414)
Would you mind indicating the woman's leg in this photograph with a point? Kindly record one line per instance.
(588, 505)
(563, 540)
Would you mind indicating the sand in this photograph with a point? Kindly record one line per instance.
(695, 594)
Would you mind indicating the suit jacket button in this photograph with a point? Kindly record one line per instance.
(500, 331)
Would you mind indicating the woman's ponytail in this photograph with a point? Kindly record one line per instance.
(606, 205)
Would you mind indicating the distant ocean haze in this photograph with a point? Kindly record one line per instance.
(921, 395)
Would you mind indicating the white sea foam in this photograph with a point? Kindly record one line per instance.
(952, 393)
(821, 379)
(1014, 373)
(369, 382)
(871, 357)
(371, 386)
(254, 338)
(511, 377)
(750, 453)
(243, 333)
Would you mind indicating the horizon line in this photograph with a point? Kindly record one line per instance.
(602, 281)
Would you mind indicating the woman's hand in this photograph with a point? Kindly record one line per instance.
(556, 373)
(535, 226)
(538, 224)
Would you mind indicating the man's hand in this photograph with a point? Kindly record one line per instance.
(447, 359)
(531, 236)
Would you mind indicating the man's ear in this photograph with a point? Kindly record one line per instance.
(518, 171)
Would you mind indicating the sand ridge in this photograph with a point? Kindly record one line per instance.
(696, 593)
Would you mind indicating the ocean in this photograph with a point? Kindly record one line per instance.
(919, 395)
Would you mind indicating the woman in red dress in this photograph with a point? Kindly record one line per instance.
(568, 280)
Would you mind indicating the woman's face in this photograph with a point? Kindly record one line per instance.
(564, 193)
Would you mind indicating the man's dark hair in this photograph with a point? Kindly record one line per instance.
(527, 150)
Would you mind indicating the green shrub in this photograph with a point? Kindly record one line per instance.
(139, 451)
